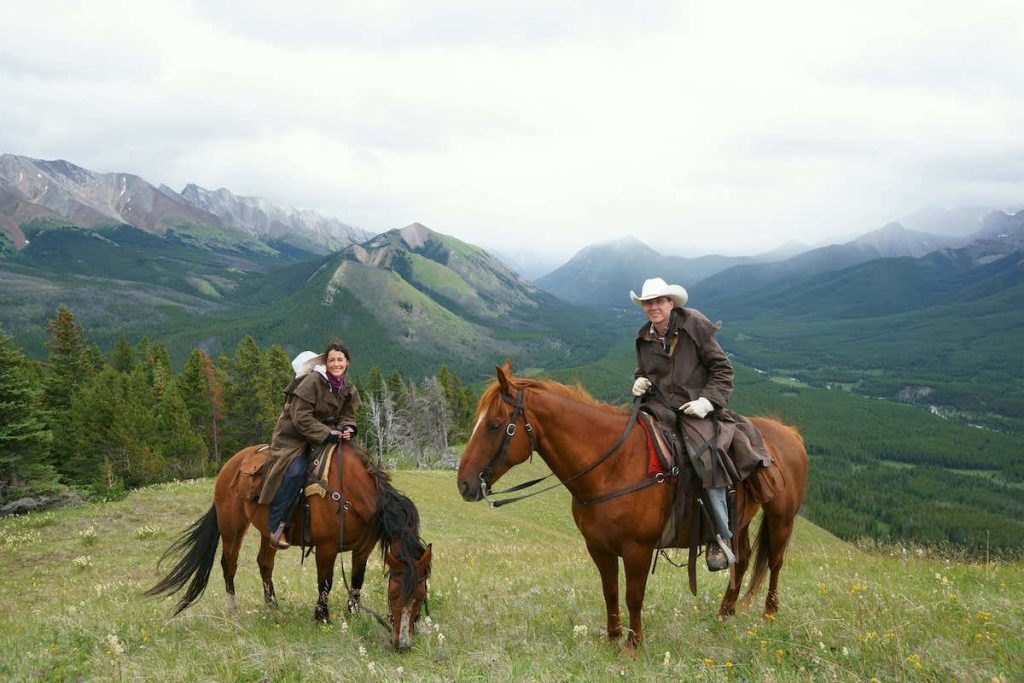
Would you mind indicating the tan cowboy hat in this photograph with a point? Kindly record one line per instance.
(655, 287)
(305, 362)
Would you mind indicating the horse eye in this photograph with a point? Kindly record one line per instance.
(493, 426)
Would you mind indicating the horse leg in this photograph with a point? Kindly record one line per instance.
(608, 566)
(728, 607)
(779, 530)
(265, 560)
(325, 555)
(231, 545)
(359, 558)
(636, 560)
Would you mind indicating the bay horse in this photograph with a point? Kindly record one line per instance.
(572, 432)
(375, 512)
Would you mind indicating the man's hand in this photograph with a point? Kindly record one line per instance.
(333, 436)
(641, 386)
(348, 432)
(699, 408)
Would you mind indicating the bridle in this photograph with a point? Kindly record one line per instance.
(519, 411)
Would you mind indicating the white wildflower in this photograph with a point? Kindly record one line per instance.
(116, 648)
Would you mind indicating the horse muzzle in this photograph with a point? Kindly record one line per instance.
(472, 489)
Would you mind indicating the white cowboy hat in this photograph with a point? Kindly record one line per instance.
(655, 287)
(305, 361)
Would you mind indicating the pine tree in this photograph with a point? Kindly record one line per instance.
(399, 392)
(117, 427)
(201, 389)
(122, 358)
(180, 443)
(374, 381)
(459, 407)
(277, 373)
(68, 368)
(244, 389)
(24, 437)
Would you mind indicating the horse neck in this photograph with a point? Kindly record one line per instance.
(358, 487)
(572, 436)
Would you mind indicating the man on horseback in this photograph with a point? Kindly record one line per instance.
(319, 406)
(690, 379)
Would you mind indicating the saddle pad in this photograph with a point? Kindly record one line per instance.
(659, 455)
(316, 478)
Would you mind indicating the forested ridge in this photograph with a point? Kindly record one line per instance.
(95, 424)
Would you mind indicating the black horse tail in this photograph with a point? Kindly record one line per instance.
(199, 545)
(762, 550)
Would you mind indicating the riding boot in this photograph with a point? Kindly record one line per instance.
(719, 556)
(285, 497)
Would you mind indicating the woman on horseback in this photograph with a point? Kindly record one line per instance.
(681, 362)
(320, 406)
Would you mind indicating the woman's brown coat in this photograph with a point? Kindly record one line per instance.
(309, 402)
(690, 364)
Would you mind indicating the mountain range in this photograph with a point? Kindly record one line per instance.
(37, 189)
(602, 275)
(882, 314)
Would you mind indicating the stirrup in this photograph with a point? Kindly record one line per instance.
(278, 540)
(724, 545)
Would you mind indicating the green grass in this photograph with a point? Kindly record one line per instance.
(513, 597)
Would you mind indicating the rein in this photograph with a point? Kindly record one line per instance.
(519, 410)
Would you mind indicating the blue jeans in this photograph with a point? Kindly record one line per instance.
(291, 483)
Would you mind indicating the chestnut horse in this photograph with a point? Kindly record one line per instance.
(375, 511)
(572, 433)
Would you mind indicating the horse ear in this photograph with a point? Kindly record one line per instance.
(393, 563)
(504, 372)
(424, 561)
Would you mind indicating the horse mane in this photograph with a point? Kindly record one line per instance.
(491, 397)
(397, 519)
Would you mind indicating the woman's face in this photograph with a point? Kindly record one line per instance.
(337, 363)
(658, 310)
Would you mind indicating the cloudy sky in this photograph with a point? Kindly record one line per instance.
(697, 127)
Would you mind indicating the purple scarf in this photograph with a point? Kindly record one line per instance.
(336, 384)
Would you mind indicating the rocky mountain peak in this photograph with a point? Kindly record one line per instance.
(415, 235)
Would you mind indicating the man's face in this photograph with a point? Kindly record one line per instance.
(658, 310)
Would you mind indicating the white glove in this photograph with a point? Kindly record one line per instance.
(641, 386)
(699, 408)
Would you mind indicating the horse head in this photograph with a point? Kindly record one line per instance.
(502, 437)
(407, 591)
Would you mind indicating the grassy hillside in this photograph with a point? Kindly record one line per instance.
(513, 597)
